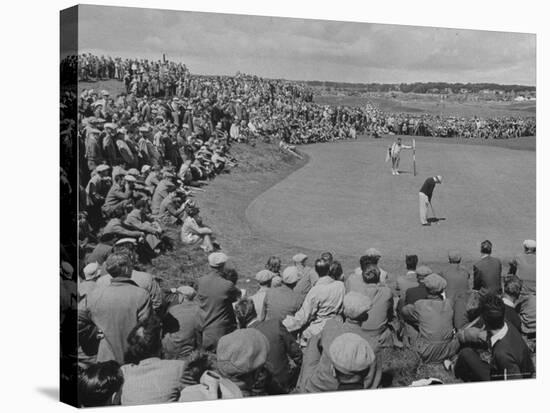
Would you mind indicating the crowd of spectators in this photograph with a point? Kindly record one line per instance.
(143, 154)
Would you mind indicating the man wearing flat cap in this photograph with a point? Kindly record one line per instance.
(187, 335)
(417, 293)
(457, 277)
(525, 266)
(283, 300)
(425, 197)
(433, 319)
(307, 275)
(264, 278)
(216, 296)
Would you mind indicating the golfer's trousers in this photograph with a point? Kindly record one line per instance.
(424, 202)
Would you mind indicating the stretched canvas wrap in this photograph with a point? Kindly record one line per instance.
(255, 206)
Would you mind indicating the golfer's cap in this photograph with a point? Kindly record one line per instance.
(133, 172)
(299, 257)
(186, 291)
(216, 259)
(438, 178)
(145, 168)
(129, 178)
(529, 243)
(373, 252)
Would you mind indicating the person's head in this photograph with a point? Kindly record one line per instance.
(335, 270)
(264, 278)
(422, 272)
(322, 267)
(454, 257)
(411, 261)
(486, 247)
(529, 246)
(351, 357)
(492, 311)
(185, 293)
(512, 287)
(327, 256)
(371, 274)
(438, 179)
(435, 284)
(217, 260)
(98, 383)
(399, 140)
(373, 255)
(119, 178)
(192, 210)
(356, 306)
(144, 341)
(245, 312)
(273, 264)
(290, 276)
(141, 204)
(241, 354)
(119, 265)
(299, 260)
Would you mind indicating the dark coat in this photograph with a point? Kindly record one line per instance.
(487, 274)
(511, 357)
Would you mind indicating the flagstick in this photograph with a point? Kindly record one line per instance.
(414, 157)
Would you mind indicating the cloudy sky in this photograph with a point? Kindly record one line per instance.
(302, 49)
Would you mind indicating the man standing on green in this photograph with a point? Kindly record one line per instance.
(425, 197)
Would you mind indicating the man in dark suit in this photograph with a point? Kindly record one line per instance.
(487, 271)
(282, 347)
(414, 294)
(510, 356)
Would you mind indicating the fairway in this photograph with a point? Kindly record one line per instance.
(346, 200)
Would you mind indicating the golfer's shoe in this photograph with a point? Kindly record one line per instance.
(427, 224)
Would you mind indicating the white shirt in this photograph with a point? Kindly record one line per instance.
(499, 335)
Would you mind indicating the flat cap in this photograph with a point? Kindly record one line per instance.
(373, 252)
(290, 275)
(351, 354)
(264, 276)
(299, 257)
(241, 352)
(126, 241)
(216, 259)
(529, 243)
(133, 172)
(455, 256)
(435, 283)
(438, 178)
(423, 270)
(356, 304)
(129, 178)
(91, 271)
(145, 168)
(186, 291)
(102, 168)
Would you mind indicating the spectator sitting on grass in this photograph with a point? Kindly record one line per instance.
(193, 234)
(99, 384)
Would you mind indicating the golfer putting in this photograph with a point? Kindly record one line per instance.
(425, 198)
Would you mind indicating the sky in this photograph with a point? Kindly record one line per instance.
(302, 49)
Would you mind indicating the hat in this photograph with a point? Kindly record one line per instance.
(104, 92)
(290, 275)
(423, 270)
(455, 256)
(373, 252)
(241, 352)
(356, 304)
(299, 257)
(530, 244)
(264, 276)
(126, 241)
(216, 259)
(102, 167)
(186, 291)
(91, 271)
(145, 168)
(111, 125)
(67, 270)
(438, 178)
(435, 283)
(93, 130)
(133, 172)
(143, 129)
(350, 353)
(129, 178)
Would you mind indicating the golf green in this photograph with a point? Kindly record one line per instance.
(345, 200)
